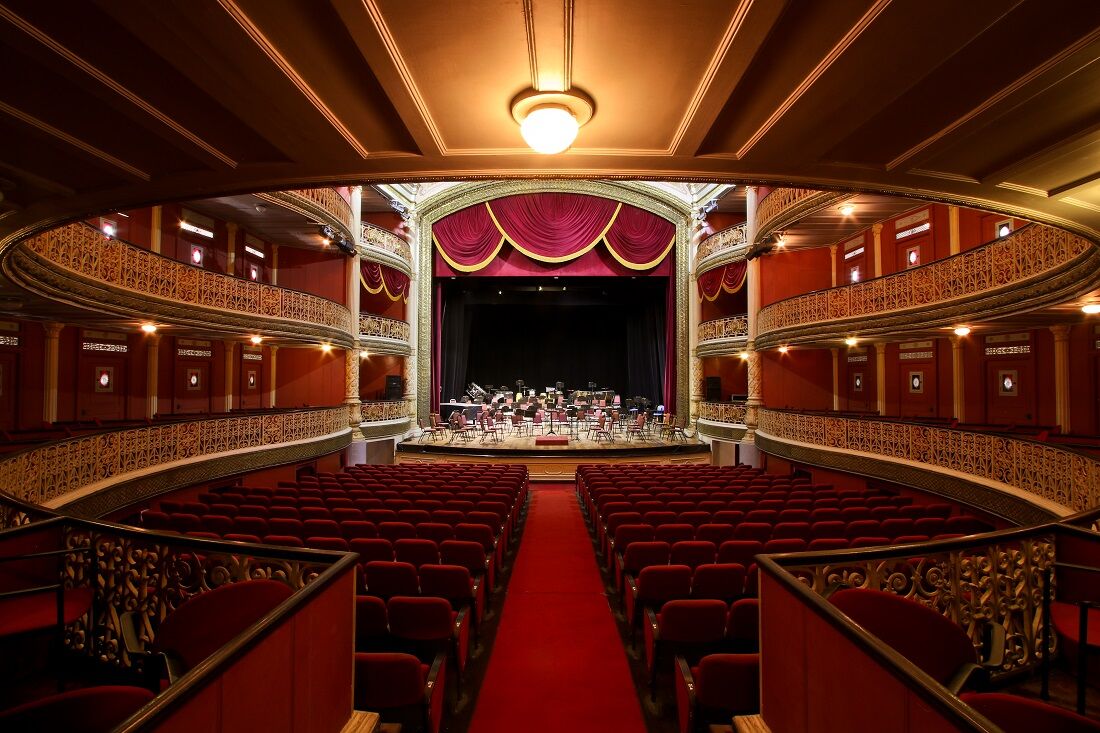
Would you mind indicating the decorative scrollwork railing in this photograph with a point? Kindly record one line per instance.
(53, 470)
(328, 199)
(376, 237)
(14, 513)
(999, 581)
(1027, 254)
(724, 328)
(729, 239)
(1066, 478)
(84, 251)
(784, 206)
(725, 412)
(381, 327)
(379, 411)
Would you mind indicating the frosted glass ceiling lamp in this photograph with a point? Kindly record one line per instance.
(549, 121)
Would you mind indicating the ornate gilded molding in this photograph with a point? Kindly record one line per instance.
(59, 472)
(721, 248)
(782, 207)
(723, 412)
(380, 335)
(459, 197)
(324, 204)
(76, 264)
(723, 336)
(385, 429)
(1008, 471)
(385, 410)
(1033, 267)
(379, 245)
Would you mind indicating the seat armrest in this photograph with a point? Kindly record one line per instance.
(993, 645)
(631, 584)
(651, 619)
(968, 675)
(685, 695)
(460, 619)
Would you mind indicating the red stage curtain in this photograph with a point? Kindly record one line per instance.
(730, 278)
(378, 278)
(468, 239)
(553, 228)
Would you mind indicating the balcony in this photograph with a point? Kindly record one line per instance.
(784, 206)
(1024, 481)
(92, 475)
(380, 335)
(721, 248)
(385, 418)
(1033, 267)
(723, 336)
(724, 420)
(379, 245)
(77, 264)
(321, 204)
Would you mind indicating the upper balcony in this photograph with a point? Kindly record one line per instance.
(321, 204)
(723, 336)
(381, 335)
(379, 245)
(784, 206)
(722, 247)
(77, 264)
(1031, 268)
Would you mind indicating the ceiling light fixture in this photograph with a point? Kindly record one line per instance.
(784, 349)
(256, 340)
(744, 356)
(549, 121)
(851, 341)
(1091, 308)
(962, 331)
(847, 209)
(326, 348)
(148, 328)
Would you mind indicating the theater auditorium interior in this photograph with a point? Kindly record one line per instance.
(535, 365)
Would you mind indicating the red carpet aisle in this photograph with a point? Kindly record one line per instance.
(557, 662)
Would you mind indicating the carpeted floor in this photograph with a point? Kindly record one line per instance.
(557, 663)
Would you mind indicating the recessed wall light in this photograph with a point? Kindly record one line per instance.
(1091, 308)
(784, 349)
(148, 328)
(851, 341)
(847, 209)
(256, 340)
(962, 331)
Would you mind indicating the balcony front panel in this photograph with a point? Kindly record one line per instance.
(77, 264)
(57, 473)
(1053, 480)
(723, 420)
(380, 335)
(323, 204)
(385, 419)
(1033, 267)
(723, 336)
(380, 245)
(785, 206)
(721, 248)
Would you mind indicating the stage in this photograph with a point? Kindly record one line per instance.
(552, 462)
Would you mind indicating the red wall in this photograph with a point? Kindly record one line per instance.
(373, 371)
(319, 273)
(800, 379)
(380, 304)
(785, 274)
(733, 372)
(725, 304)
(309, 377)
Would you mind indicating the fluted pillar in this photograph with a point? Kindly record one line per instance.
(412, 315)
(953, 239)
(832, 264)
(754, 372)
(155, 224)
(273, 264)
(230, 347)
(351, 386)
(272, 352)
(50, 376)
(1061, 376)
(876, 232)
(152, 374)
(698, 233)
(836, 378)
(958, 379)
(880, 377)
(231, 249)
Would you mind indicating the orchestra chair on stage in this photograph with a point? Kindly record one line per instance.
(463, 429)
(520, 425)
(678, 429)
(488, 429)
(428, 430)
(603, 431)
(439, 425)
(536, 423)
(638, 427)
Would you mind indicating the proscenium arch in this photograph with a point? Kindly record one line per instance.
(460, 197)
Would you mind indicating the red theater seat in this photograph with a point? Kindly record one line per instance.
(387, 682)
(432, 624)
(1013, 714)
(653, 586)
(720, 687)
(371, 625)
(679, 626)
(720, 581)
(416, 552)
(693, 553)
(456, 584)
(388, 579)
(88, 710)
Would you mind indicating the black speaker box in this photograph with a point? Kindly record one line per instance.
(395, 387)
(714, 389)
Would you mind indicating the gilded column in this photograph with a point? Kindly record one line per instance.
(351, 386)
(958, 379)
(832, 269)
(876, 232)
(953, 229)
(155, 224)
(152, 374)
(231, 249)
(274, 264)
(753, 370)
(836, 378)
(412, 314)
(698, 233)
(272, 352)
(230, 347)
(1061, 376)
(880, 377)
(49, 383)
(351, 356)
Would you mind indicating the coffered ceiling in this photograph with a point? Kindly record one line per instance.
(116, 103)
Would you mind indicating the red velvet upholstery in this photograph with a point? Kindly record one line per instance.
(394, 531)
(87, 710)
(420, 619)
(388, 680)
(371, 623)
(716, 533)
(741, 552)
(1014, 714)
(692, 621)
(39, 610)
(387, 579)
(372, 549)
(743, 624)
(728, 682)
(721, 581)
(283, 540)
(693, 553)
(208, 621)
(435, 531)
(416, 552)
(673, 533)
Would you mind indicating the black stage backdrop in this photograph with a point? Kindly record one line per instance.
(605, 330)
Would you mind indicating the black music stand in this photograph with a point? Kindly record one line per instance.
(551, 430)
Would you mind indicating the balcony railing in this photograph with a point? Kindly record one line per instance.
(381, 327)
(86, 252)
(784, 206)
(733, 327)
(719, 247)
(1028, 255)
(374, 240)
(1056, 475)
(52, 471)
(328, 199)
(385, 410)
(732, 413)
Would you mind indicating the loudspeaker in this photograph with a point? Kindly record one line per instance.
(714, 389)
(395, 387)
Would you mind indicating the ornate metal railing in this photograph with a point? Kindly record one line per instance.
(726, 412)
(729, 240)
(50, 471)
(14, 513)
(784, 206)
(1027, 254)
(733, 327)
(381, 327)
(375, 237)
(84, 251)
(1057, 475)
(328, 199)
(974, 583)
(379, 411)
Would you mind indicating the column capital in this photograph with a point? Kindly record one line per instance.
(1060, 331)
(876, 229)
(880, 347)
(52, 329)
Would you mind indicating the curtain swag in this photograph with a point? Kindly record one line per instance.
(729, 278)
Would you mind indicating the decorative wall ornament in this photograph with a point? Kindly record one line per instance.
(381, 327)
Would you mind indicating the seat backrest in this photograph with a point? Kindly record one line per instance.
(387, 579)
(643, 554)
(370, 618)
(419, 618)
(721, 581)
(388, 680)
(372, 548)
(664, 582)
(693, 553)
(416, 552)
(452, 582)
(729, 682)
(692, 620)
(743, 624)
(921, 634)
(1015, 714)
(741, 552)
(87, 709)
